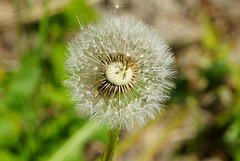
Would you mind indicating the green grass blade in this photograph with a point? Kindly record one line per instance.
(80, 137)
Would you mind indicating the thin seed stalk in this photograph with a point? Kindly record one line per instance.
(110, 145)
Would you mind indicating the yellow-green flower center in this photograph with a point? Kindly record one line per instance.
(118, 74)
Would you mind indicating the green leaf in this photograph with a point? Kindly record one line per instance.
(76, 140)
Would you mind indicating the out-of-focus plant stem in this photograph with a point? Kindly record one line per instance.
(127, 143)
(110, 144)
(151, 150)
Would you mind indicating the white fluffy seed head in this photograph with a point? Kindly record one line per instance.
(119, 72)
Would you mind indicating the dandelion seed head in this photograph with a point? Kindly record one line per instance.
(119, 72)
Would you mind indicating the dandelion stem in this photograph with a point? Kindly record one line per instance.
(110, 145)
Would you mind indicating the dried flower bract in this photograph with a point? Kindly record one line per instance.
(119, 72)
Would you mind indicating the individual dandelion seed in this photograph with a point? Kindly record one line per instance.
(119, 72)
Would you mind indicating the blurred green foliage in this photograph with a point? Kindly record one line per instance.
(37, 120)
